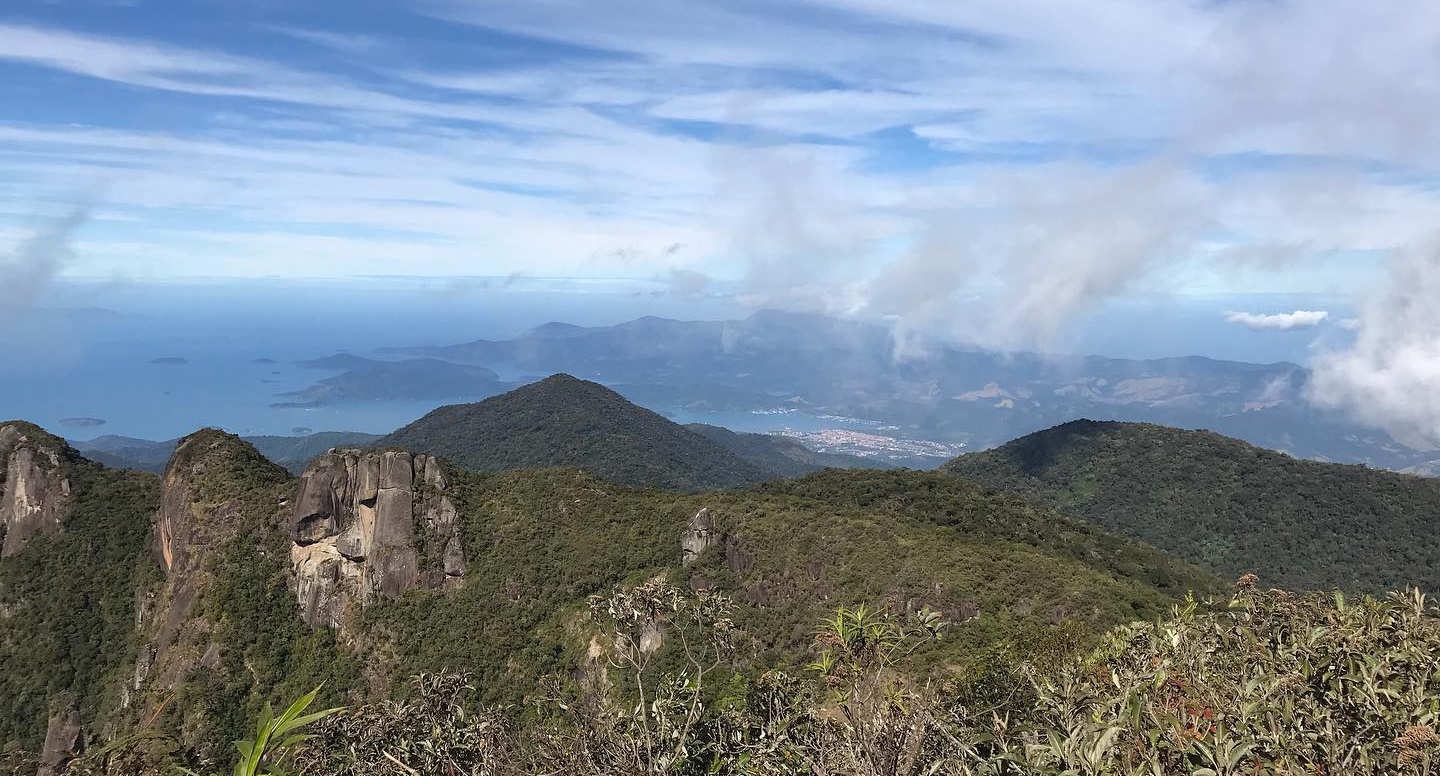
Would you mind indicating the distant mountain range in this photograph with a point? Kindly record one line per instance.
(364, 379)
(291, 452)
(559, 421)
(792, 366)
(1227, 505)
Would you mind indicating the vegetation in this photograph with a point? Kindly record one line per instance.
(67, 603)
(275, 738)
(779, 456)
(562, 421)
(265, 651)
(989, 635)
(539, 542)
(1262, 683)
(1227, 505)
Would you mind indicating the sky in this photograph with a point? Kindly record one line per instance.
(990, 167)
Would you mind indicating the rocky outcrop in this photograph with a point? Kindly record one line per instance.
(62, 741)
(213, 485)
(698, 537)
(34, 486)
(371, 524)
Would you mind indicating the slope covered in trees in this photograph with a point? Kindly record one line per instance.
(1228, 505)
(777, 455)
(563, 421)
(543, 540)
(190, 616)
(67, 599)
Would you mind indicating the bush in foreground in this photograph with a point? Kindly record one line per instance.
(1265, 684)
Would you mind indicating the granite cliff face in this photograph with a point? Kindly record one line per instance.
(371, 524)
(213, 482)
(700, 533)
(34, 485)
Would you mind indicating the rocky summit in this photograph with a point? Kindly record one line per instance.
(34, 485)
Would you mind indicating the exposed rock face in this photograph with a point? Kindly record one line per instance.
(370, 524)
(34, 488)
(62, 741)
(699, 535)
(202, 508)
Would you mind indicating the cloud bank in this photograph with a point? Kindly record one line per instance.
(1300, 319)
(1391, 375)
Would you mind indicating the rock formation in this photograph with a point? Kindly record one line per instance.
(34, 486)
(62, 741)
(370, 524)
(699, 535)
(207, 494)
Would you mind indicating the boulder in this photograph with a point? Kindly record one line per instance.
(62, 741)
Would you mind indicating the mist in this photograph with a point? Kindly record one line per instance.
(26, 273)
(1276, 162)
(1390, 376)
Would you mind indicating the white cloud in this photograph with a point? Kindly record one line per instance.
(560, 165)
(1300, 319)
(1390, 376)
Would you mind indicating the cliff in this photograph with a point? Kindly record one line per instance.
(214, 488)
(368, 524)
(34, 484)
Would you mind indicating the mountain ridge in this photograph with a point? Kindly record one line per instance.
(1226, 504)
(238, 584)
(781, 362)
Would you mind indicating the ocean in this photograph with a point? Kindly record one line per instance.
(160, 359)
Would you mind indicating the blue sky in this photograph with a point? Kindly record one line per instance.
(891, 156)
(995, 169)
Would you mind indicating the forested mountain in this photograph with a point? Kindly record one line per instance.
(1228, 505)
(563, 421)
(190, 599)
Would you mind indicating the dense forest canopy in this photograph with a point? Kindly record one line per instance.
(1227, 505)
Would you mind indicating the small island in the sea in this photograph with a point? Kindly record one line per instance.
(262, 360)
(82, 422)
(170, 360)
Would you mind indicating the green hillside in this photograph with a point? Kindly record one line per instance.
(1228, 505)
(220, 631)
(777, 455)
(67, 600)
(564, 421)
(544, 540)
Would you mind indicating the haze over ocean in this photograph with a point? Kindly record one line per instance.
(88, 352)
